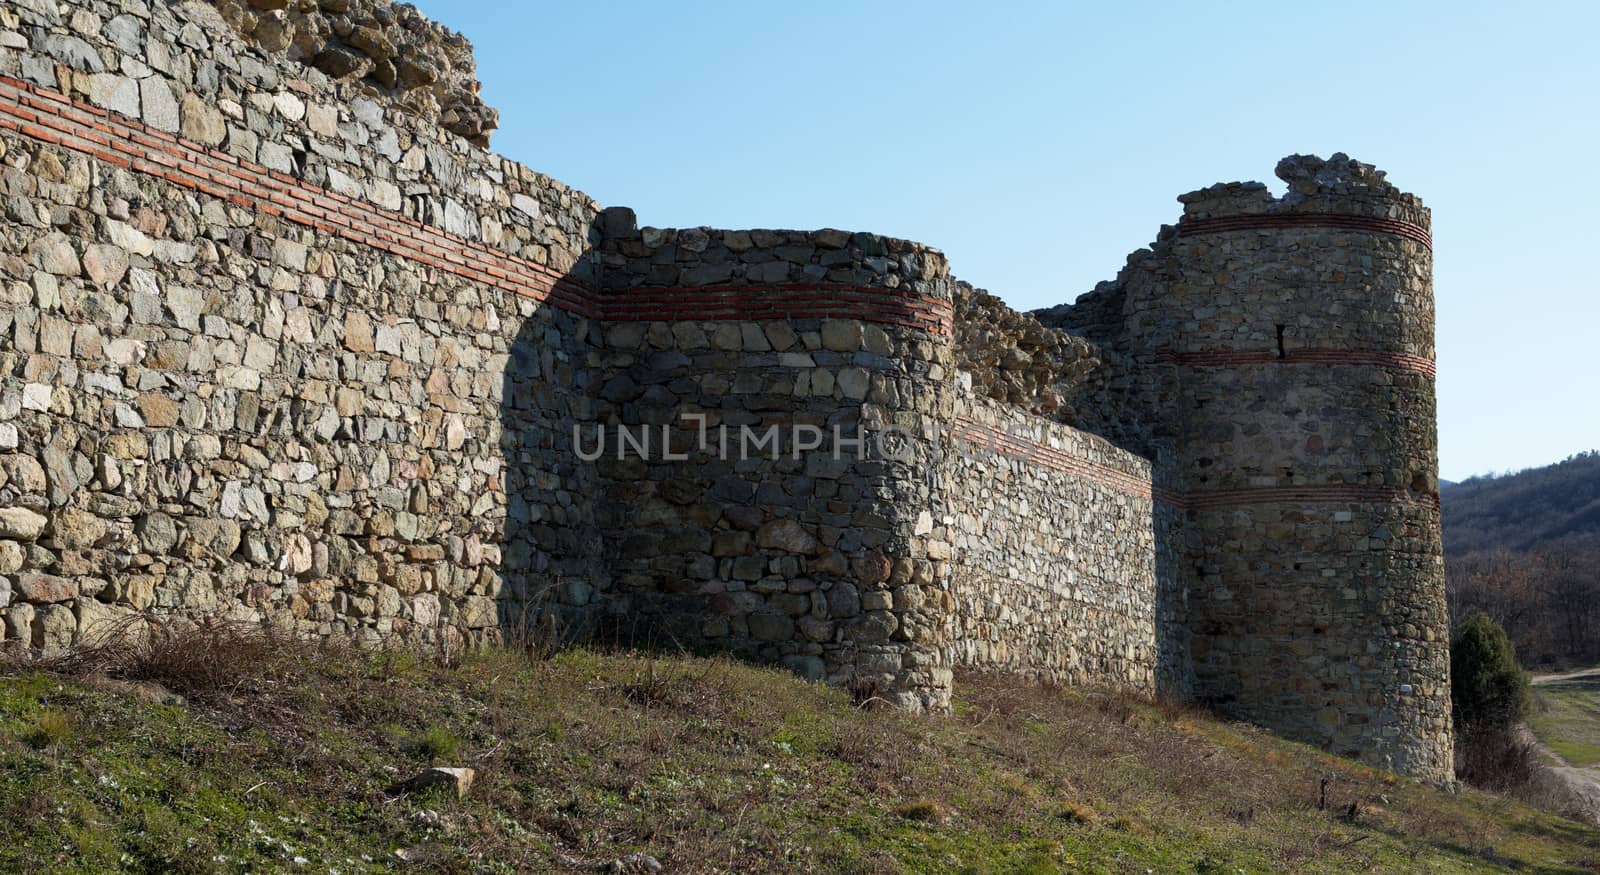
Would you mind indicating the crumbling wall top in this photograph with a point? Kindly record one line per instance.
(1338, 184)
(1015, 359)
(385, 49)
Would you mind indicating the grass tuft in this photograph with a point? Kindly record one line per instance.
(435, 743)
(1077, 812)
(1131, 825)
(924, 810)
(50, 729)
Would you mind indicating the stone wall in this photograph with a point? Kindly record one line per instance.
(1061, 551)
(1026, 362)
(274, 353)
(789, 546)
(1015, 359)
(292, 349)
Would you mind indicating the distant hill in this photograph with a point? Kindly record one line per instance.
(1524, 511)
(1525, 549)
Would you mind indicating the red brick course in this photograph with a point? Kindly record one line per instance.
(1356, 357)
(51, 117)
(1272, 221)
(1016, 447)
(1033, 452)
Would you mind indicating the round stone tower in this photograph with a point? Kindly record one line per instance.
(1293, 342)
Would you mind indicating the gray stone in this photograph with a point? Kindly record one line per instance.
(54, 628)
(74, 529)
(73, 52)
(19, 623)
(116, 93)
(769, 272)
(12, 557)
(844, 601)
(841, 335)
(61, 470)
(707, 274)
(809, 667)
(99, 623)
(526, 206)
(217, 538)
(787, 535)
(455, 782)
(25, 472)
(185, 305)
(771, 626)
(853, 382)
(41, 70)
(342, 61)
(187, 590)
(126, 33)
(159, 108)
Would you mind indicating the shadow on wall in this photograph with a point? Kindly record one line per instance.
(553, 571)
(704, 534)
(836, 567)
(1174, 670)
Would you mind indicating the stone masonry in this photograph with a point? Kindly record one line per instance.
(282, 343)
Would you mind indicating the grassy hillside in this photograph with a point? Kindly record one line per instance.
(279, 761)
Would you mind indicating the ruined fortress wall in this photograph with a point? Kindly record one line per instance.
(1057, 543)
(273, 350)
(295, 355)
(281, 345)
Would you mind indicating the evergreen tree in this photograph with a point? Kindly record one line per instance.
(1487, 686)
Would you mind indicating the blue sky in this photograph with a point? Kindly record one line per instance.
(1039, 143)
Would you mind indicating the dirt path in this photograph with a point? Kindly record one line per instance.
(1582, 781)
(1540, 680)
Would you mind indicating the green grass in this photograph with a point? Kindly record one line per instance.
(435, 744)
(50, 729)
(709, 766)
(1567, 718)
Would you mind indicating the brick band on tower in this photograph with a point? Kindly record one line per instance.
(1290, 347)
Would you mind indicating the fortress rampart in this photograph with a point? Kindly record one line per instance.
(283, 344)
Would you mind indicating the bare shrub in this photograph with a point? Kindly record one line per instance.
(207, 660)
(1496, 758)
(541, 630)
(1506, 760)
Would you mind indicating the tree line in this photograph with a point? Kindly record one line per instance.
(1547, 599)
